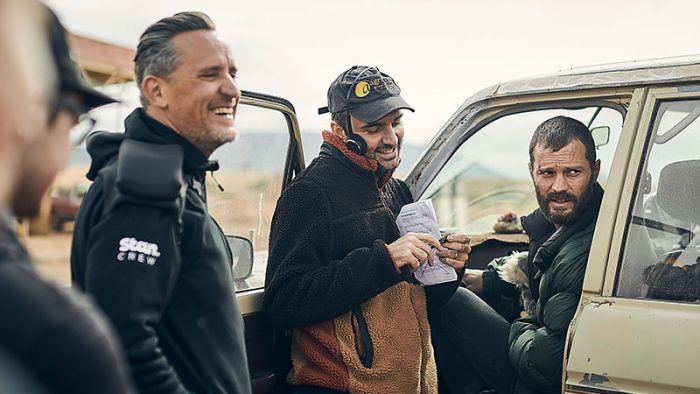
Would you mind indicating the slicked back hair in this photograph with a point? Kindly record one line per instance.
(558, 132)
(155, 54)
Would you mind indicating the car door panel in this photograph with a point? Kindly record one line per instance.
(254, 170)
(656, 335)
(620, 340)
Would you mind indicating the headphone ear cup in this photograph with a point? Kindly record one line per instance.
(356, 144)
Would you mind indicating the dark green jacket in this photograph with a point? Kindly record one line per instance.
(555, 271)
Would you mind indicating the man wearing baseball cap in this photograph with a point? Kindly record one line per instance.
(56, 340)
(339, 273)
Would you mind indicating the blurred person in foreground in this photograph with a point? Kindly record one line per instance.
(57, 341)
(478, 349)
(339, 272)
(144, 243)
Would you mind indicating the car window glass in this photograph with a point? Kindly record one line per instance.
(250, 173)
(488, 175)
(661, 250)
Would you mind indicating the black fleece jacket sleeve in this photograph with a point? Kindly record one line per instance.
(303, 284)
(132, 283)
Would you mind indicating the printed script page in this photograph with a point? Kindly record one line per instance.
(419, 217)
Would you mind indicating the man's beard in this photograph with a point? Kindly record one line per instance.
(561, 218)
(394, 163)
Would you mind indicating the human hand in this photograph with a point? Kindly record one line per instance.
(474, 280)
(413, 249)
(456, 251)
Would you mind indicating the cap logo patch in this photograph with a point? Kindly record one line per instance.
(362, 89)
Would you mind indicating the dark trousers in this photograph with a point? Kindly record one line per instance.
(471, 346)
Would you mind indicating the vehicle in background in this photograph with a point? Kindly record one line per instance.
(65, 203)
(640, 306)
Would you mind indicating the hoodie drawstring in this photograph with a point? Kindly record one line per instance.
(215, 181)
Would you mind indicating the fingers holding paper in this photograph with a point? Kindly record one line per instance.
(413, 249)
(455, 251)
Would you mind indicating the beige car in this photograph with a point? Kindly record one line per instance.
(637, 329)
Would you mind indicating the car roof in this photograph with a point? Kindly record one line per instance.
(662, 71)
(635, 73)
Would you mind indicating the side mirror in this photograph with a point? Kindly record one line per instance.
(242, 250)
(601, 135)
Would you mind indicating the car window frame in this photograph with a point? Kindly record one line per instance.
(641, 150)
(426, 169)
(250, 300)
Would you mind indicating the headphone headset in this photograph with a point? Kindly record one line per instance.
(354, 142)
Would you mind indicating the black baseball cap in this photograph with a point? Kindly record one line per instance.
(367, 93)
(69, 76)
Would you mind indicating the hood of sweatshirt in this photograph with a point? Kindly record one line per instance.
(103, 146)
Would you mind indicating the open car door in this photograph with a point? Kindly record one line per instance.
(638, 324)
(242, 195)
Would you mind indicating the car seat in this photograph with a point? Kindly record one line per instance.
(678, 195)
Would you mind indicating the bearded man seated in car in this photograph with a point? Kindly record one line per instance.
(476, 348)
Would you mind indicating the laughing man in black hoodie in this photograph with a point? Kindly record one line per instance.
(145, 246)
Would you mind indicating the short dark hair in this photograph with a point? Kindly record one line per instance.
(558, 132)
(155, 55)
(342, 118)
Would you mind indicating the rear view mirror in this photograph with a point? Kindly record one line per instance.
(601, 135)
(242, 250)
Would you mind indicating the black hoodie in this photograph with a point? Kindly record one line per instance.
(172, 303)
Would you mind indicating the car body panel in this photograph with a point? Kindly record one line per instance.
(634, 346)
